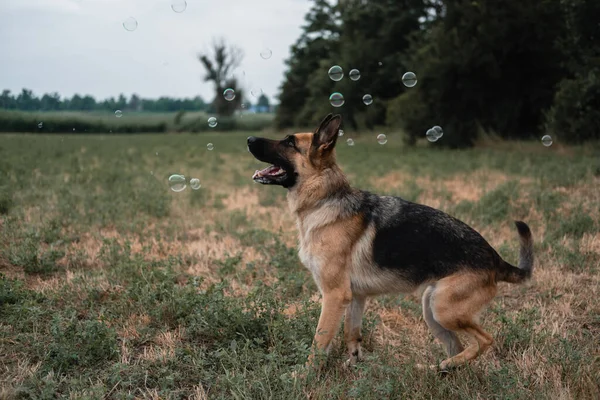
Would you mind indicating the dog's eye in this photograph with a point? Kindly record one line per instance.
(290, 141)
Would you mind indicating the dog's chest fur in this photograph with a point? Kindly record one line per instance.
(310, 227)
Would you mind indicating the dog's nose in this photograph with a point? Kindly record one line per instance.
(251, 139)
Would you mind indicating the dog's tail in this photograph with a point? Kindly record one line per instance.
(512, 274)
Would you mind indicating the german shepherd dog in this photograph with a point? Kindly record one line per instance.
(357, 244)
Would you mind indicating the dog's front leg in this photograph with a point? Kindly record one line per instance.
(335, 302)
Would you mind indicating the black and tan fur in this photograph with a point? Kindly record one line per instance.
(357, 244)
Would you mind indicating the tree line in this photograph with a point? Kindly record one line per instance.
(27, 101)
(514, 68)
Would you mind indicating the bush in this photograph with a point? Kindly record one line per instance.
(575, 114)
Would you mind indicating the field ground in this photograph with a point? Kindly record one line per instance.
(112, 285)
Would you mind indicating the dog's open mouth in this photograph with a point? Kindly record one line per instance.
(271, 174)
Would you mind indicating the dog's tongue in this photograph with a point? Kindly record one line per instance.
(273, 170)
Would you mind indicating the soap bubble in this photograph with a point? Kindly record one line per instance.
(367, 99)
(438, 130)
(212, 122)
(431, 135)
(336, 73)
(341, 132)
(41, 125)
(256, 92)
(229, 94)
(178, 6)
(195, 183)
(381, 138)
(350, 142)
(409, 79)
(130, 24)
(547, 140)
(336, 99)
(210, 146)
(354, 74)
(177, 182)
(118, 113)
(266, 53)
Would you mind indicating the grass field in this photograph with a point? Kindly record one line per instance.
(113, 286)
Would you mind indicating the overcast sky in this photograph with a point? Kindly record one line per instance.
(80, 46)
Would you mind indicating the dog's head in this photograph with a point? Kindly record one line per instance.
(296, 157)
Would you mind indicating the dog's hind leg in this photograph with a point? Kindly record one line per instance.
(352, 326)
(456, 301)
(448, 338)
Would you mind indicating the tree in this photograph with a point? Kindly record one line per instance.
(368, 35)
(484, 64)
(575, 113)
(263, 103)
(219, 64)
(317, 42)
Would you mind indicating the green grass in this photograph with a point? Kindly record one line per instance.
(112, 285)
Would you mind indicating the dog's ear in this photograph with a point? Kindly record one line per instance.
(327, 133)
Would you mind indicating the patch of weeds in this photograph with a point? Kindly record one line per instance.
(199, 198)
(29, 255)
(517, 332)
(494, 206)
(411, 191)
(268, 198)
(83, 344)
(574, 260)
(6, 199)
(575, 225)
(229, 264)
(51, 232)
(218, 201)
(237, 220)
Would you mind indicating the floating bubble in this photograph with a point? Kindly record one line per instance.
(266, 53)
(212, 122)
(178, 6)
(336, 99)
(210, 146)
(256, 92)
(73, 129)
(336, 73)
(229, 94)
(367, 99)
(341, 132)
(431, 135)
(41, 125)
(354, 74)
(130, 24)
(380, 63)
(195, 183)
(118, 113)
(409, 79)
(350, 142)
(177, 182)
(381, 138)
(547, 140)
(438, 130)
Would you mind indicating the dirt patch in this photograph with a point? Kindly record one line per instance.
(470, 187)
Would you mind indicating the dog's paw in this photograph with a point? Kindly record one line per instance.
(354, 358)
